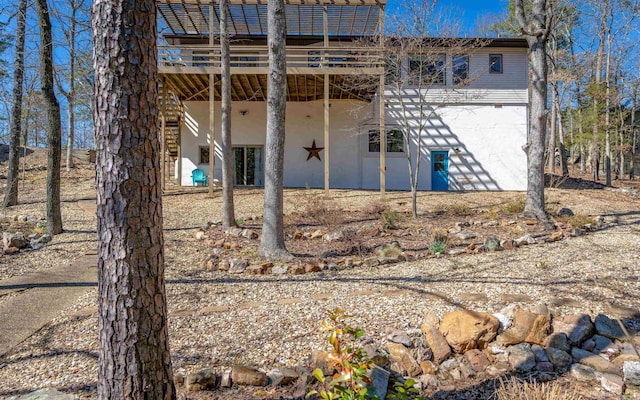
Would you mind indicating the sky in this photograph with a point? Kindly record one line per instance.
(470, 12)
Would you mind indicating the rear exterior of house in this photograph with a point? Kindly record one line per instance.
(472, 138)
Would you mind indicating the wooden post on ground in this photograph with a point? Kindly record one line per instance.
(163, 133)
(383, 133)
(326, 103)
(212, 106)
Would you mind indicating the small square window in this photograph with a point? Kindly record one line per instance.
(395, 141)
(495, 63)
(204, 154)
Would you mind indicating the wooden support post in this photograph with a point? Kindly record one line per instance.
(383, 133)
(163, 134)
(179, 141)
(326, 103)
(212, 107)
(383, 139)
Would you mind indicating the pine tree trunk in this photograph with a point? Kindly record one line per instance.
(534, 204)
(272, 244)
(134, 360)
(537, 30)
(71, 98)
(11, 194)
(54, 216)
(228, 214)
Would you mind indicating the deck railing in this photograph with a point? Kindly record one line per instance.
(257, 57)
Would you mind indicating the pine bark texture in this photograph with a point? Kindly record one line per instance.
(71, 95)
(134, 360)
(54, 129)
(536, 29)
(11, 194)
(272, 244)
(228, 214)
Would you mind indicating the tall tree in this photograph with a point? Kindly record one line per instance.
(272, 242)
(74, 22)
(54, 128)
(536, 25)
(228, 215)
(11, 194)
(134, 361)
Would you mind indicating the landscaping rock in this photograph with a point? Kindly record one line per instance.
(577, 328)
(612, 383)
(608, 327)
(38, 243)
(246, 376)
(235, 232)
(237, 266)
(559, 358)
(521, 357)
(583, 373)
(631, 371)
(279, 270)
(565, 212)
(477, 360)
(466, 235)
(400, 336)
(282, 376)
(541, 355)
(297, 270)
(492, 243)
(16, 240)
(48, 394)
(334, 236)
(594, 361)
(544, 366)
(428, 367)
(402, 358)
(379, 382)
(524, 240)
(558, 341)
(375, 354)
(225, 379)
(436, 342)
(201, 235)
(201, 380)
(250, 234)
(526, 327)
(465, 330)
(312, 268)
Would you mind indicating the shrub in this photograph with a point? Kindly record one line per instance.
(515, 207)
(319, 208)
(577, 220)
(439, 242)
(391, 251)
(455, 210)
(390, 219)
(513, 389)
(352, 364)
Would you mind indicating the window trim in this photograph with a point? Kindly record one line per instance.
(376, 132)
(491, 70)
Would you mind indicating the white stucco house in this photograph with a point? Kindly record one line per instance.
(476, 103)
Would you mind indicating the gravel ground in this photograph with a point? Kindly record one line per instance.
(217, 320)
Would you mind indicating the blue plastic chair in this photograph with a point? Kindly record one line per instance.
(197, 176)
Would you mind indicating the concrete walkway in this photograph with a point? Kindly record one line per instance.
(29, 302)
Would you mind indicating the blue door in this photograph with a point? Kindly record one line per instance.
(439, 170)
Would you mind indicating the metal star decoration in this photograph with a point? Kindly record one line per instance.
(314, 151)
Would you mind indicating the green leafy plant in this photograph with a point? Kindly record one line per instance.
(351, 380)
(404, 391)
(439, 243)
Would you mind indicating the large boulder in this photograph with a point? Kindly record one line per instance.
(14, 239)
(526, 327)
(466, 330)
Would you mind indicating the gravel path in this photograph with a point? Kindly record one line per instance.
(219, 320)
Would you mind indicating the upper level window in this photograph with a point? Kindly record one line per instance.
(427, 69)
(460, 69)
(395, 141)
(495, 63)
